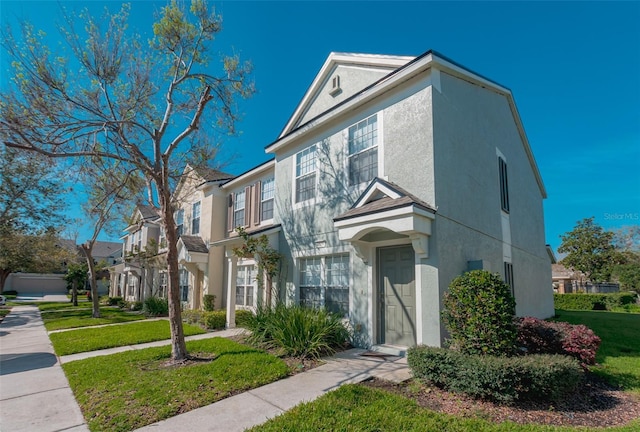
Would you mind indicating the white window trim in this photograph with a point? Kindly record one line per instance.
(193, 217)
(323, 257)
(244, 208)
(254, 284)
(345, 140)
(268, 221)
(316, 199)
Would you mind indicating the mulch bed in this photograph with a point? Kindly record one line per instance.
(596, 404)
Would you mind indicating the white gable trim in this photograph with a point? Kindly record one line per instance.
(375, 187)
(335, 59)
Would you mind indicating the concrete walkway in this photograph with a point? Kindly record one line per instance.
(34, 392)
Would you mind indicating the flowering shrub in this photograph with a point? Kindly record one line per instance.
(543, 337)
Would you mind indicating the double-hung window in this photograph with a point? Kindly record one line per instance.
(195, 218)
(324, 282)
(184, 285)
(306, 168)
(162, 284)
(508, 277)
(266, 199)
(179, 222)
(504, 185)
(244, 285)
(363, 151)
(238, 209)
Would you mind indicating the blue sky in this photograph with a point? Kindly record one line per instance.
(573, 67)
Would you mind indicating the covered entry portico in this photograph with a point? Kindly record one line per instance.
(389, 230)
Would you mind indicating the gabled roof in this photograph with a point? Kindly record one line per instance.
(258, 170)
(380, 196)
(105, 249)
(210, 174)
(147, 212)
(373, 61)
(194, 244)
(430, 59)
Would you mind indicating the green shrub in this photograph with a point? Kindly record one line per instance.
(155, 307)
(116, 301)
(209, 302)
(10, 293)
(134, 305)
(214, 320)
(191, 316)
(501, 379)
(479, 311)
(297, 331)
(242, 317)
(580, 301)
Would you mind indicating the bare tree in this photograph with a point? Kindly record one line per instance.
(151, 106)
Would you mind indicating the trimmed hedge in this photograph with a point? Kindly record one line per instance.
(155, 307)
(537, 377)
(579, 301)
(215, 320)
(478, 312)
(209, 302)
(9, 293)
(543, 337)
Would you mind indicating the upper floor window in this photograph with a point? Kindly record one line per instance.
(363, 151)
(195, 218)
(266, 199)
(324, 282)
(504, 185)
(306, 167)
(180, 222)
(238, 209)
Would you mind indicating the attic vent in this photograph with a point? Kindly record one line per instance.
(335, 86)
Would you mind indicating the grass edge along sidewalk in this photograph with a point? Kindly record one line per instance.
(128, 390)
(92, 339)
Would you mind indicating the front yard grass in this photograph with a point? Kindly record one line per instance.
(47, 306)
(619, 354)
(73, 318)
(358, 408)
(125, 391)
(91, 339)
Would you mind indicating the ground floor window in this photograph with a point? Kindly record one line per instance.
(508, 277)
(184, 285)
(162, 284)
(245, 279)
(324, 282)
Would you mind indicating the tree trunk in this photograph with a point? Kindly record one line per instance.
(178, 346)
(4, 275)
(87, 248)
(74, 292)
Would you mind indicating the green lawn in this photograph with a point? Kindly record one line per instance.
(81, 317)
(91, 339)
(47, 306)
(125, 391)
(619, 353)
(358, 408)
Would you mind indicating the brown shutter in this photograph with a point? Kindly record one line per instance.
(230, 213)
(247, 206)
(257, 203)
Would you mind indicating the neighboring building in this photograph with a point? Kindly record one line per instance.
(566, 281)
(393, 176)
(200, 208)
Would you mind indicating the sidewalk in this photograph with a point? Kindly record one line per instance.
(258, 405)
(34, 392)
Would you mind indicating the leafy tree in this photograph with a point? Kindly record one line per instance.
(626, 270)
(76, 276)
(589, 250)
(38, 253)
(152, 106)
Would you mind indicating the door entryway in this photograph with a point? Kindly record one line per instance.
(397, 296)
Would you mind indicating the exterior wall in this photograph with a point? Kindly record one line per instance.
(352, 80)
(213, 223)
(470, 125)
(36, 283)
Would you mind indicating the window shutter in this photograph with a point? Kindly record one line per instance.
(230, 213)
(247, 206)
(257, 200)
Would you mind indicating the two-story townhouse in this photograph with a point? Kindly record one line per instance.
(132, 278)
(251, 206)
(200, 209)
(393, 176)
